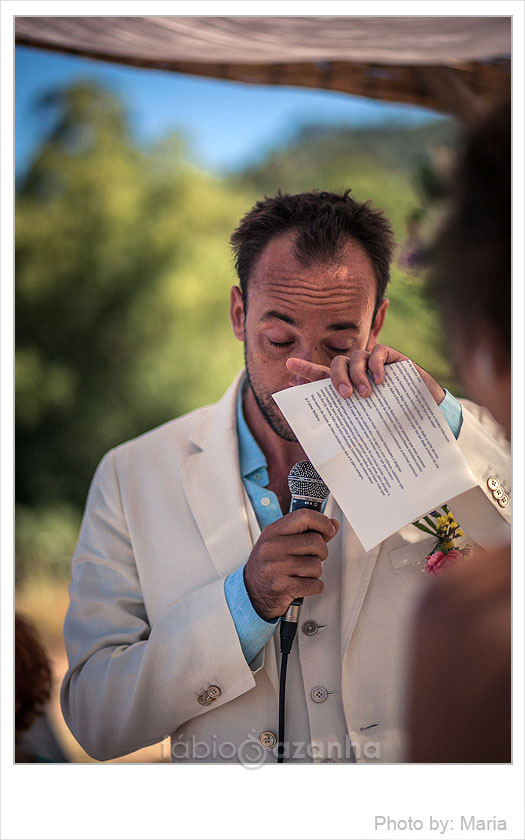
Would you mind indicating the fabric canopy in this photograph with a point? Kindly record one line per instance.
(447, 63)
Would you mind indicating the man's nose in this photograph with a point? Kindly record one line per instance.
(310, 354)
(296, 380)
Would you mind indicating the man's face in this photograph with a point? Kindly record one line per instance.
(315, 313)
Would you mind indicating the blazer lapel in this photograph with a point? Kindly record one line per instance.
(213, 486)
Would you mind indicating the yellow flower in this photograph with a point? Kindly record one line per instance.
(448, 544)
(460, 533)
(450, 517)
(453, 524)
(442, 521)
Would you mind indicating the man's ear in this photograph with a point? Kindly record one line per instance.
(237, 313)
(377, 326)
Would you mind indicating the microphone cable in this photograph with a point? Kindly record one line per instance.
(282, 707)
(287, 632)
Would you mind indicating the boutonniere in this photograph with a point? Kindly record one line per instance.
(445, 529)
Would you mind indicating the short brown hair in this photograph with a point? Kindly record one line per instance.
(324, 221)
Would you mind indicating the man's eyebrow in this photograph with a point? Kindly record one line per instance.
(272, 313)
(339, 325)
(344, 325)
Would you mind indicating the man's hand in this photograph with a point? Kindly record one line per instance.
(349, 373)
(287, 561)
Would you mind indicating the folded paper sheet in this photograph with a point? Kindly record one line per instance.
(388, 458)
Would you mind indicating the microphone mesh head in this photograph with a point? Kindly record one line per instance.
(304, 480)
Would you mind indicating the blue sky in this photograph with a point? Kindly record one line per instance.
(226, 125)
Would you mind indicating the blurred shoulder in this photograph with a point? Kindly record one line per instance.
(471, 599)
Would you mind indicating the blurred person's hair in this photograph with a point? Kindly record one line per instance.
(471, 275)
(32, 675)
(322, 222)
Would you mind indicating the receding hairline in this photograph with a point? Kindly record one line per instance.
(327, 260)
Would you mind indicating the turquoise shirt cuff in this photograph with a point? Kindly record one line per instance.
(253, 631)
(452, 412)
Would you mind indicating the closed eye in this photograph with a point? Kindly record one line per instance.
(336, 350)
(280, 343)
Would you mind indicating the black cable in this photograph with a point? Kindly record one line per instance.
(282, 707)
(287, 632)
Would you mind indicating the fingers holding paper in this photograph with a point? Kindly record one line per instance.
(349, 374)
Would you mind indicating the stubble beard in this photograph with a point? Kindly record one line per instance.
(267, 405)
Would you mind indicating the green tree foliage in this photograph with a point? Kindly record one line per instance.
(121, 260)
(122, 276)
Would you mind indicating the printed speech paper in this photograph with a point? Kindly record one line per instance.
(388, 458)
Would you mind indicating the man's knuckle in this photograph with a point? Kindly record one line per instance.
(274, 587)
(340, 365)
(266, 551)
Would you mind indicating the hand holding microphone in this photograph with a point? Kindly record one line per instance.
(287, 560)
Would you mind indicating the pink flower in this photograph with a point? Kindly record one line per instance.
(437, 561)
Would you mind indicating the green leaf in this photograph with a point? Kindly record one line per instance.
(423, 528)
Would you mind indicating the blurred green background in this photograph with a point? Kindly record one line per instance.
(122, 275)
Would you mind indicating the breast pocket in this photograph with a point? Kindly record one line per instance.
(411, 554)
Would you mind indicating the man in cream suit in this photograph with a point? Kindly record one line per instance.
(185, 560)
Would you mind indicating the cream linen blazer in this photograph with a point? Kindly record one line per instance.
(148, 628)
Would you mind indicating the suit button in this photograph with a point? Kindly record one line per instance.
(493, 483)
(310, 628)
(265, 501)
(213, 691)
(504, 501)
(319, 694)
(267, 739)
(498, 493)
(204, 699)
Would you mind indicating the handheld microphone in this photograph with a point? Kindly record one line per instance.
(308, 490)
